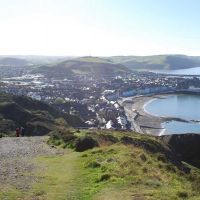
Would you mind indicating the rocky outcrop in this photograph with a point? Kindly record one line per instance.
(185, 146)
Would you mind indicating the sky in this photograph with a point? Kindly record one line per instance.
(99, 27)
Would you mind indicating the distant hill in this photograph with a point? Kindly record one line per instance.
(67, 66)
(94, 59)
(157, 62)
(43, 60)
(81, 66)
(16, 60)
(37, 117)
(9, 61)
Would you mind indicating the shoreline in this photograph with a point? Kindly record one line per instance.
(141, 120)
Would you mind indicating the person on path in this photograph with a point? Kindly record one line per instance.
(17, 132)
(22, 131)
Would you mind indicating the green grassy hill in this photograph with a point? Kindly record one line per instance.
(102, 66)
(85, 65)
(127, 165)
(37, 117)
(94, 59)
(162, 62)
(105, 165)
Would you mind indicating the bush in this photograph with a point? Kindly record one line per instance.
(143, 157)
(85, 143)
(105, 177)
(162, 158)
(108, 138)
(68, 137)
(183, 195)
(171, 168)
(94, 164)
(145, 170)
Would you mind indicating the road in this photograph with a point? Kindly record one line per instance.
(16, 160)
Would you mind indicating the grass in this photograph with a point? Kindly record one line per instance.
(110, 172)
(113, 170)
(10, 193)
(94, 59)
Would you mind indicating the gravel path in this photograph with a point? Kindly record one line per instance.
(16, 160)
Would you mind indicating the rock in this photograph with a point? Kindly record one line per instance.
(185, 146)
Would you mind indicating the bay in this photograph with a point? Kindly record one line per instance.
(183, 106)
(189, 71)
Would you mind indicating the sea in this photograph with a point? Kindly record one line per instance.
(182, 106)
(190, 71)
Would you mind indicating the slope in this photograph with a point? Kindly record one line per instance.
(157, 62)
(37, 117)
(10, 61)
(122, 166)
(82, 66)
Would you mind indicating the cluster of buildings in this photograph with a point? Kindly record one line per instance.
(94, 99)
(150, 83)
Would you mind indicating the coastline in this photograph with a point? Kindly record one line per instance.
(144, 122)
(141, 120)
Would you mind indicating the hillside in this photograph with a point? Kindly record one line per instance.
(99, 165)
(10, 61)
(86, 65)
(157, 62)
(101, 65)
(94, 59)
(67, 66)
(37, 117)
(22, 60)
(105, 66)
(42, 60)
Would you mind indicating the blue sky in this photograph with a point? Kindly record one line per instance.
(99, 27)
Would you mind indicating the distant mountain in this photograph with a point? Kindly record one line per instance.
(94, 59)
(157, 62)
(9, 61)
(62, 65)
(22, 60)
(37, 117)
(81, 66)
(43, 60)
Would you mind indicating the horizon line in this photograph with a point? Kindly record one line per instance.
(120, 55)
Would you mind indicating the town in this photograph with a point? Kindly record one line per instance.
(96, 100)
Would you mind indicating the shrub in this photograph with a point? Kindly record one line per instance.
(85, 143)
(68, 137)
(105, 177)
(161, 158)
(143, 157)
(183, 195)
(171, 168)
(127, 140)
(145, 170)
(108, 138)
(94, 164)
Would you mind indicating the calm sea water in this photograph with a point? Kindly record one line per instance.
(180, 106)
(190, 71)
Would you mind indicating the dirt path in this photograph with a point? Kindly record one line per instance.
(16, 155)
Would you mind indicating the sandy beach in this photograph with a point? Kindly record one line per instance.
(142, 121)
